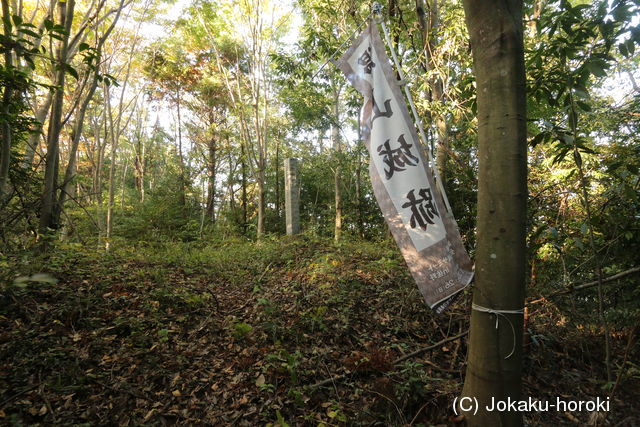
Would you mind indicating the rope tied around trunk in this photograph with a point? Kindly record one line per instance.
(502, 313)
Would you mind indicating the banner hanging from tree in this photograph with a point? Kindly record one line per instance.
(403, 183)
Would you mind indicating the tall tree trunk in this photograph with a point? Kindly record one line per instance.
(211, 190)
(49, 203)
(337, 148)
(112, 172)
(430, 25)
(277, 167)
(124, 179)
(140, 146)
(5, 125)
(359, 206)
(67, 188)
(71, 170)
(442, 132)
(244, 188)
(33, 140)
(261, 200)
(183, 199)
(97, 179)
(495, 354)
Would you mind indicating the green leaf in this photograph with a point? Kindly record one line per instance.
(597, 69)
(48, 24)
(537, 139)
(17, 20)
(581, 92)
(584, 229)
(29, 62)
(83, 47)
(71, 71)
(631, 46)
(29, 32)
(623, 50)
(583, 106)
(613, 166)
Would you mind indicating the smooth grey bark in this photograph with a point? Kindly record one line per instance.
(495, 354)
(291, 196)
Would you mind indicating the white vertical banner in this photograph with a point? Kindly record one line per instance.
(403, 183)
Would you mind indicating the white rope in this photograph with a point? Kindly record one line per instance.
(407, 93)
(502, 313)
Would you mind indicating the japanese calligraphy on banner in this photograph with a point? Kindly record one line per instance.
(403, 184)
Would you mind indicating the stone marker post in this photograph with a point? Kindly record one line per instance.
(291, 195)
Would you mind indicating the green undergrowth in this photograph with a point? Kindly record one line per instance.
(238, 332)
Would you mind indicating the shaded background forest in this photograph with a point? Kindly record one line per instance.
(151, 126)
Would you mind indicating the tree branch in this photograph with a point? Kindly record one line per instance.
(587, 285)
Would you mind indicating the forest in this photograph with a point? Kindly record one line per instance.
(147, 273)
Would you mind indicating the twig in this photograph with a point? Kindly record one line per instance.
(431, 347)
(624, 360)
(404, 420)
(399, 360)
(20, 393)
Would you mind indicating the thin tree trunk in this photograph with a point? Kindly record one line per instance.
(277, 166)
(183, 199)
(337, 148)
(49, 203)
(244, 189)
(442, 132)
(70, 173)
(71, 170)
(495, 353)
(124, 179)
(34, 138)
(211, 190)
(359, 206)
(97, 181)
(5, 125)
(261, 201)
(592, 244)
(112, 173)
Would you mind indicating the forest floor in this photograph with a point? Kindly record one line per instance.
(248, 334)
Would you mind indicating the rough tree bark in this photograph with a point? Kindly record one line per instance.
(495, 354)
